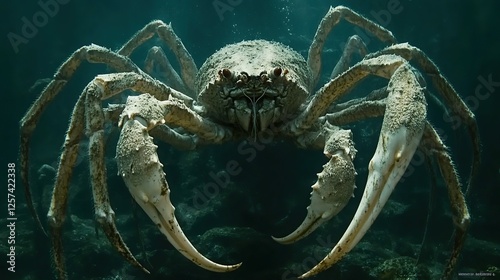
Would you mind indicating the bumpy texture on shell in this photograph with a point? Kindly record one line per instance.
(253, 57)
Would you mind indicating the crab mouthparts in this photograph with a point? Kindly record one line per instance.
(255, 112)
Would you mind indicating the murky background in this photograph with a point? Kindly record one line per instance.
(233, 221)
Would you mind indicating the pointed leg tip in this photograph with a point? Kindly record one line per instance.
(234, 266)
(284, 240)
(227, 268)
(320, 267)
(305, 275)
(43, 230)
(279, 240)
(146, 271)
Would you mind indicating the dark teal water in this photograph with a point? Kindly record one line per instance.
(268, 197)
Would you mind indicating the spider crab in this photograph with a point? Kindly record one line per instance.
(246, 89)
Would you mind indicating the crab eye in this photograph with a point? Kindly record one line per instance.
(264, 77)
(277, 71)
(227, 73)
(243, 77)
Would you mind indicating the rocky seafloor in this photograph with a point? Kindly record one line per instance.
(234, 223)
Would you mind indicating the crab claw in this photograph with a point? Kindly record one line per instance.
(140, 168)
(334, 187)
(400, 136)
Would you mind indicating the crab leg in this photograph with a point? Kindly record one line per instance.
(329, 21)
(448, 93)
(93, 54)
(59, 201)
(156, 57)
(382, 66)
(354, 45)
(402, 129)
(167, 35)
(461, 217)
(162, 132)
(104, 214)
(140, 168)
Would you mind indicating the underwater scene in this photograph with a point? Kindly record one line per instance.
(294, 139)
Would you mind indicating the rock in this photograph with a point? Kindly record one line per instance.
(401, 268)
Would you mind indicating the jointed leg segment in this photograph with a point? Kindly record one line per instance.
(329, 21)
(354, 45)
(59, 200)
(93, 54)
(104, 214)
(461, 217)
(161, 132)
(167, 34)
(382, 66)
(156, 57)
(446, 90)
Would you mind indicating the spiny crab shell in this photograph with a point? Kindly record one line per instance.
(253, 84)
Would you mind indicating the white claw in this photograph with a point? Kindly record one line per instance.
(142, 172)
(400, 136)
(334, 187)
(386, 168)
